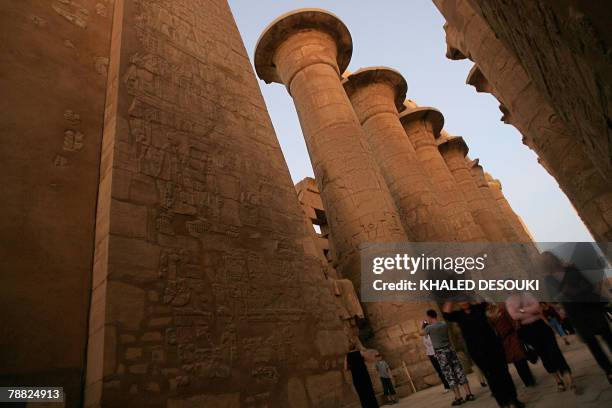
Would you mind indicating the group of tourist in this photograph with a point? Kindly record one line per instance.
(497, 334)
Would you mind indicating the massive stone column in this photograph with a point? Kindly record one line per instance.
(519, 227)
(422, 126)
(377, 94)
(207, 291)
(501, 73)
(306, 50)
(508, 231)
(53, 60)
(454, 151)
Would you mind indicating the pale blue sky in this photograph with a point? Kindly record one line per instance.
(408, 36)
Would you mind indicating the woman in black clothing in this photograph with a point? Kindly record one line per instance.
(583, 306)
(361, 378)
(485, 348)
(525, 309)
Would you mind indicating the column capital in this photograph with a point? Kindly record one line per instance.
(282, 28)
(426, 113)
(370, 75)
(454, 144)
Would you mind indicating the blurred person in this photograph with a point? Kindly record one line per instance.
(481, 378)
(450, 365)
(553, 318)
(526, 310)
(514, 349)
(485, 349)
(582, 304)
(362, 382)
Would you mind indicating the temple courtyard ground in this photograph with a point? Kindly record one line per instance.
(596, 392)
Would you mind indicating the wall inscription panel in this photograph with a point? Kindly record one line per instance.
(207, 294)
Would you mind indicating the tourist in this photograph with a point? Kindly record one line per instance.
(429, 350)
(534, 331)
(361, 378)
(583, 307)
(485, 349)
(507, 331)
(447, 357)
(481, 378)
(554, 320)
(384, 372)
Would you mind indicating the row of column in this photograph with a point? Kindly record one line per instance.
(384, 172)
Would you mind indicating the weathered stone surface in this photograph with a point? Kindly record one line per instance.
(324, 389)
(423, 126)
(201, 265)
(125, 305)
(477, 172)
(560, 147)
(564, 48)
(376, 95)
(312, 206)
(296, 394)
(52, 77)
(330, 342)
(208, 401)
(307, 50)
(518, 225)
(454, 151)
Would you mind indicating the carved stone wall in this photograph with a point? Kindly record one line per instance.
(312, 206)
(564, 47)
(204, 291)
(403, 335)
(524, 105)
(53, 61)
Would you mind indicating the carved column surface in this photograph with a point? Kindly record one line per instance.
(422, 126)
(204, 273)
(376, 94)
(306, 50)
(504, 205)
(563, 46)
(560, 150)
(454, 151)
(53, 62)
(508, 231)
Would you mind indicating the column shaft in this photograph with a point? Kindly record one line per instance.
(421, 133)
(374, 102)
(507, 229)
(454, 156)
(358, 204)
(307, 50)
(510, 215)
